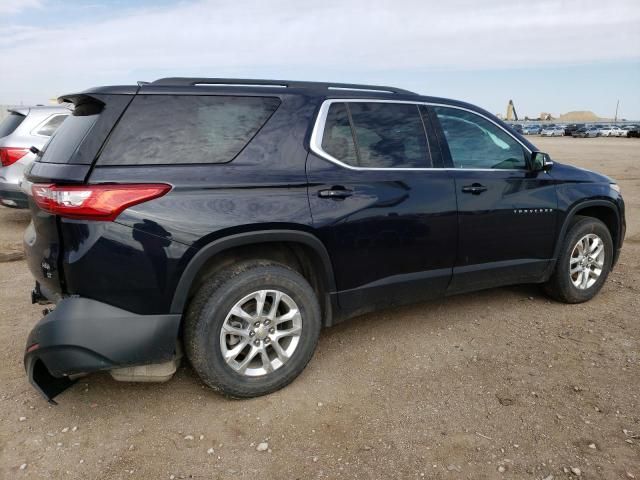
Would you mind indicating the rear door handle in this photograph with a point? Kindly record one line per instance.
(335, 192)
(474, 188)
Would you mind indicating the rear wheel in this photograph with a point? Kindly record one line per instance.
(252, 328)
(584, 262)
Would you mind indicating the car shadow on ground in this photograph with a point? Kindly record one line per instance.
(436, 314)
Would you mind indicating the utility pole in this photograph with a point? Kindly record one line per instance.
(615, 120)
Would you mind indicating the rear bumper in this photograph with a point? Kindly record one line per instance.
(83, 335)
(12, 196)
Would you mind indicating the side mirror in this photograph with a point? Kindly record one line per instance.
(541, 162)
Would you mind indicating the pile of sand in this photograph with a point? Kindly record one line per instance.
(580, 116)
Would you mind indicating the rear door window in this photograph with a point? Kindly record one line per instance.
(10, 123)
(183, 129)
(376, 135)
(337, 139)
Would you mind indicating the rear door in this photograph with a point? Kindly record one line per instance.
(506, 212)
(381, 203)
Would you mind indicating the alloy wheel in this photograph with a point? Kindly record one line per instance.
(261, 333)
(587, 261)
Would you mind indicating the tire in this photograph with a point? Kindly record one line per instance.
(561, 285)
(211, 307)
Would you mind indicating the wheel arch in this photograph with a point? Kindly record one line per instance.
(309, 252)
(604, 210)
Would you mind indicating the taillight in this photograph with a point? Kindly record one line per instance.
(9, 155)
(94, 202)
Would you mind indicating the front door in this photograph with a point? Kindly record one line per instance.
(385, 214)
(506, 211)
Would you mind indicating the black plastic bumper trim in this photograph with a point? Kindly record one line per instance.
(83, 335)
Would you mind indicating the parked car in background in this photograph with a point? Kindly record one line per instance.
(531, 129)
(25, 127)
(586, 132)
(569, 129)
(633, 132)
(625, 129)
(516, 127)
(238, 219)
(615, 131)
(607, 131)
(579, 133)
(552, 132)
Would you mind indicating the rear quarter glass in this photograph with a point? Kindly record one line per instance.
(186, 129)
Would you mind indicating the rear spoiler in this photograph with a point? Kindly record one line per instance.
(80, 98)
(96, 93)
(20, 111)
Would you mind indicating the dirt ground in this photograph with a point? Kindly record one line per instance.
(499, 384)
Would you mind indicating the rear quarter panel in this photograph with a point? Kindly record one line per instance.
(148, 246)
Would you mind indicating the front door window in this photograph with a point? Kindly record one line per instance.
(477, 143)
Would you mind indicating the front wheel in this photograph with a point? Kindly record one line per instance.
(252, 328)
(584, 262)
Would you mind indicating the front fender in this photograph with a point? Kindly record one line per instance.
(575, 209)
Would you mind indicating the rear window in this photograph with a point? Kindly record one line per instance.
(182, 129)
(9, 124)
(51, 125)
(69, 136)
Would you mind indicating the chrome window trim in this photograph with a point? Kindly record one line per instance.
(315, 142)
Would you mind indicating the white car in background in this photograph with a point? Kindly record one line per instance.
(609, 131)
(625, 130)
(552, 132)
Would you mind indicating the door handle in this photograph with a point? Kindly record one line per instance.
(474, 188)
(335, 193)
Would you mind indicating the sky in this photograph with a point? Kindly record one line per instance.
(547, 55)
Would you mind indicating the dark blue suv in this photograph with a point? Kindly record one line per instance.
(236, 218)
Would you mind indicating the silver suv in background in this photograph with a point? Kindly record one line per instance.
(25, 127)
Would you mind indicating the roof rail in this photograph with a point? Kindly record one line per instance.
(244, 82)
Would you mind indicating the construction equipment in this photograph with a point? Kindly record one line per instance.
(511, 112)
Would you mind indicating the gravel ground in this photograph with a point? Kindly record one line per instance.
(502, 383)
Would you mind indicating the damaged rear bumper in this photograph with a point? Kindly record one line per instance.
(83, 336)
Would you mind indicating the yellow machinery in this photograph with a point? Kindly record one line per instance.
(511, 111)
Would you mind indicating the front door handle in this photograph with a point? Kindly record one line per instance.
(474, 188)
(335, 192)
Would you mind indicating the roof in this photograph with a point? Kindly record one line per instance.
(24, 110)
(187, 85)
